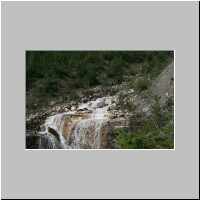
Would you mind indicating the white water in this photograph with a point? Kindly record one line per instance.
(87, 131)
(56, 122)
(47, 141)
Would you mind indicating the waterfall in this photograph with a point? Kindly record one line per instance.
(86, 131)
(55, 123)
(47, 141)
(87, 134)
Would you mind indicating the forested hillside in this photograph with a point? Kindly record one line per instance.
(58, 74)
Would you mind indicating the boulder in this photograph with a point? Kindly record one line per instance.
(82, 109)
(54, 132)
(73, 108)
(66, 109)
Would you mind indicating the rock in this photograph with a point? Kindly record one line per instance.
(113, 116)
(42, 128)
(130, 91)
(101, 104)
(58, 108)
(68, 106)
(54, 132)
(52, 103)
(73, 108)
(82, 109)
(109, 108)
(66, 109)
(84, 99)
(121, 115)
(146, 109)
(105, 133)
(119, 122)
(163, 85)
(90, 97)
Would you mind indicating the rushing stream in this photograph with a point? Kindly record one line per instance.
(80, 128)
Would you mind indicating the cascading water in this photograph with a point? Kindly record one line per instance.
(47, 141)
(86, 131)
(55, 123)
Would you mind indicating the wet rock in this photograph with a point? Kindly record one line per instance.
(82, 109)
(130, 91)
(85, 99)
(42, 127)
(66, 109)
(54, 132)
(109, 108)
(101, 104)
(73, 108)
(113, 116)
(58, 108)
(68, 106)
(121, 115)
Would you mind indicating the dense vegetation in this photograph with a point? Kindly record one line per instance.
(153, 132)
(58, 74)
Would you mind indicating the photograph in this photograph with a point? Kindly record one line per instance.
(99, 99)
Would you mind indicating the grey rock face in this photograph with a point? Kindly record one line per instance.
(163, 86)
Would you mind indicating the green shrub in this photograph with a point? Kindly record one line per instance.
(61, 71)
(153, 132)
(123, 140)
(141, 84)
